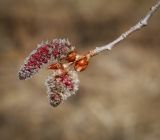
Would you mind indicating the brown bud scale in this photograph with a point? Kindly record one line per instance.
(55, 66)
(81, 64)
(71, 57)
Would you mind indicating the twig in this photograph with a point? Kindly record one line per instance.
(143, 22)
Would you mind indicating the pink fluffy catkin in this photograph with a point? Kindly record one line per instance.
(45, 54)
(60, 86)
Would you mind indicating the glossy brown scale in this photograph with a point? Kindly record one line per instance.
(81, 64)
(71, 57)
(55, 66)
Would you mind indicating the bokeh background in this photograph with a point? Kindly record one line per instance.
(119, 95)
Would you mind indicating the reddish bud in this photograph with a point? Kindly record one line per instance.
(81, 64)
(55, 66)
(71, 57)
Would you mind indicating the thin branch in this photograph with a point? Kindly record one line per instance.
(143, 22)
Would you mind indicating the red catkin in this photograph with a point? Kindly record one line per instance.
(60, 86)
(46, 53)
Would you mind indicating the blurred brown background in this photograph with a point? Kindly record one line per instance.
(119, 95)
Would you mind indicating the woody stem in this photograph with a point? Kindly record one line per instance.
(142, 23)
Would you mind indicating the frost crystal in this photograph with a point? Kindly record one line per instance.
(44, 54)
(60, 86)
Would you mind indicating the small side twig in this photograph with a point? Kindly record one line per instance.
(143, 22)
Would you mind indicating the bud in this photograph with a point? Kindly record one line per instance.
(55, 66)
(71, 57)
(81, 64)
